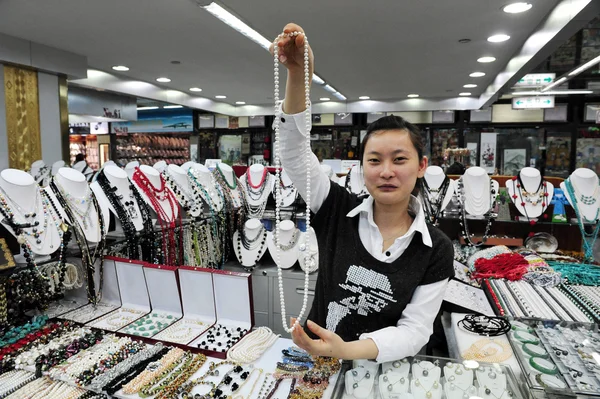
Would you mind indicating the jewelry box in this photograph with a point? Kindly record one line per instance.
(234, 311)
(163, 293)
(135, 302)
(110, 299)
(198, 304)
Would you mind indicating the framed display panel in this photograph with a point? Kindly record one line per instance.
(343, 118)
(442, 139)
(558, 154)
(206, 121)
(588, 149)
(556, 114)
(256, 121)
(442, 117)
(481, 115)
(591, 111)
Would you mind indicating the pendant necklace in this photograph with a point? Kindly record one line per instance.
(428, 393)
(28, 218)
(74, 202)
(285, 192)
(304, 247)
(524, 196)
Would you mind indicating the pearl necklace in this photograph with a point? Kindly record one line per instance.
(307, 120)
(252, 346)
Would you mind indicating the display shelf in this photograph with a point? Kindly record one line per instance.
(149, 148)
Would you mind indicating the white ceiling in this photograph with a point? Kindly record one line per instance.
(382, 48)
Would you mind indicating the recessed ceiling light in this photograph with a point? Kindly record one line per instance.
(486, 59)
(325, 99)
(240, 102)
(469, 86)
(464, 94)
(146, 108)
(220, 96)
(477, 74)
(413, 95)
(163, 80)
(121, 68)
(516, 8)
(172, 106)
(498, 38)
(195, 89)
(364, 98)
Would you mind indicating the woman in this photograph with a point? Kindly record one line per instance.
(382, 269)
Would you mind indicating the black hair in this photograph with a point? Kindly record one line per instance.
(393, 122)
(79, 157)
(456, 168)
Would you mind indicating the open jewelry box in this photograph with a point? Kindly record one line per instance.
(424, 377)
(134, 296)
(234, 310)
(196, 288)
(108, 291)
(559, 359)
(163, 294)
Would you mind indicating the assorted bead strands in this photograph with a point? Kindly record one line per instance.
(285, 192)
(221, 338)
(15, 333)
(235, 210)
(28, 220)
(168, 374)
(252, 346)
(186, 199)
(31, 356)
(13, 381)
(46, 361)
(433, 199)
(173, 387)
(460, 194)
(167, 363)
(589, 239)
(231, 382)
(118, 319)
(307, 149)
(150, 325)
(256, 243)
(80, 206)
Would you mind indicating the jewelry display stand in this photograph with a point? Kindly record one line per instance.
(130, 168)
(180, 184)
(156, 181)
(468, 297)
(232, 183)
(258, 184)
(205, 187)
(163, 292)
(57, 165)
(360, 380)
(111, 297)
(196, 287)
(479, 191)
(41, 173)
(290, 240)
(289, 192)
(458, 381)
(530, 193)
(161, 166)
(313, 250)
(250, 247)
(134, 296)
(587, 194)
(394, 379)
(84, 168)
(234, 311)
(436, 193)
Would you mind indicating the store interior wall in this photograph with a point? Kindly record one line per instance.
(50, 118)
(3, 136)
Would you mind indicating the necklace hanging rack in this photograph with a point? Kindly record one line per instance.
(588, 246)
(460, 193)
(307, 150)
(433, 199)
(88, 259)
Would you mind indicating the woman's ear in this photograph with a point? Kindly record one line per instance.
(423, 166)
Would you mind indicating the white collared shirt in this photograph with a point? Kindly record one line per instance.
(414, 328)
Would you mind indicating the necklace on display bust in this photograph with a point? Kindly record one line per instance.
(307, 150)
(88, 259)
(184, 197)
(284, 192)
(433, 199)
(41, 176)
(255, 191)
(124, 214)
(172, 249)
(589, 239)
(460, 193)
(428, 392)
(534, 198)
(236, 213)
(251, 244)
(348, 185)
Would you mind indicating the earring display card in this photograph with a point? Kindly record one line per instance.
(469, 297)
(107, 288)
(427, 378)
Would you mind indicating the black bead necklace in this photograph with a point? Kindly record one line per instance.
(433, 207)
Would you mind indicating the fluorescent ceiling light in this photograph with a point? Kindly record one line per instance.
(364, 98)
(237, 24)
(146, 108)
(325, 99)
(477, 74)
(172, 106)
(486, 59)
(585, 66)
(330, 89)
(516, 8)
(220, 96)
(464, 94)
(555, 83)
(120, 68)
(498, 38)
(195, 89)
(163, 80)
(317, 79)
(413, 96)
(240, 102)
(551, 93)
(340, 96)
(469, 86)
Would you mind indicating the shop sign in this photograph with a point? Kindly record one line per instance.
(533, 102)
(536, 80)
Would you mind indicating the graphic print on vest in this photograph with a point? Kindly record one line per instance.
(369, 292)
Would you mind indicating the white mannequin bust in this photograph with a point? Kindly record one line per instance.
(312, 248)
(117, 177)
(434, 177)
(531, 193)
(181, 182)
(187, 165)
(199, 174)
(288, 193)
(170, 210)
(130, 168)
(289, 238)
(24, 196)
(329, 172)
(75, 184)
(56, 166)
(256, 173)
(40, 173)
(357, 181)
(477, 185)
(231, 180)
(586, 187)
(109, 163)
(253, 230)
(160, 166)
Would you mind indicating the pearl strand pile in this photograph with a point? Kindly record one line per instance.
(307, 119)
(13, 381)
(252, 346)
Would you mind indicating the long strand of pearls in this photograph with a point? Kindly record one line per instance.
(307, 119)
(252, 346)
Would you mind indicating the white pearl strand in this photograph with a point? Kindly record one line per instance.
(28, 390)
(15, 381)
(569, 306)
(553, 303)
(508, 297)
(252, 346)
(307, 118)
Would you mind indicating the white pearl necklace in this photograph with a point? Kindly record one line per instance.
(252, 346)
(278, 193)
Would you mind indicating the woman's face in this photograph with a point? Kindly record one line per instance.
(391, 166)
